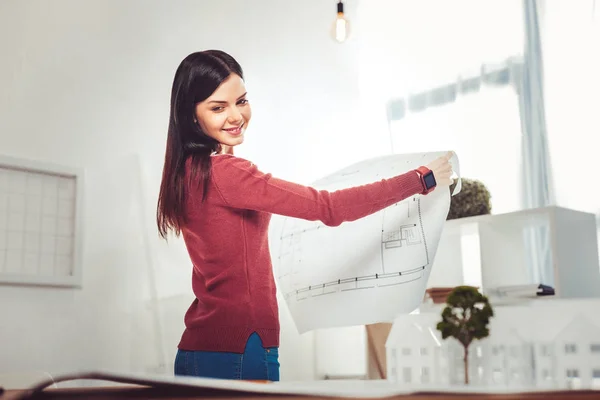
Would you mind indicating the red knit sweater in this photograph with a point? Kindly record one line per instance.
(227, 239)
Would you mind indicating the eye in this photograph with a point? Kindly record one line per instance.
(217, 109)
(244, 101)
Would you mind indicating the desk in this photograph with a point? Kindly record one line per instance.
(132, 386)
(125, 393)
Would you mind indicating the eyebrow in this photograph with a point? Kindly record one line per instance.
(224, 102)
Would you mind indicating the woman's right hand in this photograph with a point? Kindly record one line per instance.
(442, 169)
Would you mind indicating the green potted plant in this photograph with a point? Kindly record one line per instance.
(473, 199)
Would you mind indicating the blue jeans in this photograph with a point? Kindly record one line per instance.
(256, 363)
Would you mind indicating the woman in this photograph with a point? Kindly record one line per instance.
(222, 205)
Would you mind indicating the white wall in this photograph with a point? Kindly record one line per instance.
(87, 84)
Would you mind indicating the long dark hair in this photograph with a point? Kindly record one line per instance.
(196, 78)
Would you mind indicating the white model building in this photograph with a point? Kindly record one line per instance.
(414, 352)
(549, 343)
(545, 342)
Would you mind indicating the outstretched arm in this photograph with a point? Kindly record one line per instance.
(241, 185)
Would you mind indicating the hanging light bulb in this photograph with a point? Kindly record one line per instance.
(341, 27)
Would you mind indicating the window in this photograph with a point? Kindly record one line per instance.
(570, 348)
(407, 51)
(596, 379)
(405, 48)
(425, 378)
(406, 351)
(479, 352)
(595, 348)
(498, 375)
(571, 110)
(546, 350)
(573, 380)
(423, 351)
(546, 374)
(467, 126)
(407, 374)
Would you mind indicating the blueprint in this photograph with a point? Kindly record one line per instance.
(365, 271)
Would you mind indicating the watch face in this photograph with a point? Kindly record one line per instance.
(429, 180)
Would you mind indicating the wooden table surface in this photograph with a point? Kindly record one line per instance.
(133, 392)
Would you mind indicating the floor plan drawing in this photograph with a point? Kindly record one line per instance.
(362, 271)
(402, 241)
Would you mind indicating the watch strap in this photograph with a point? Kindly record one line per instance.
(423, 171)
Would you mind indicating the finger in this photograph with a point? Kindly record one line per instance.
(438, 162)
(443, 174)
(444, 161)
(443, 171)
(435, 163)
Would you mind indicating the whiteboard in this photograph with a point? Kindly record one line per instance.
(40, 223)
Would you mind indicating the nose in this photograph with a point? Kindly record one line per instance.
(235, 116)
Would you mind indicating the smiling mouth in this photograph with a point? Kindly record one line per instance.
(234, 131)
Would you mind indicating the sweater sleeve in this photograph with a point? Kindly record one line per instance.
(241, 185)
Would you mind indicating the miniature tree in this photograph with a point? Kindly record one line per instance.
(465, 318)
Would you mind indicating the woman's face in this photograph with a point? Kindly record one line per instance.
(224, 116)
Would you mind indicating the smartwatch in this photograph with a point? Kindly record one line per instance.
(427, 179)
